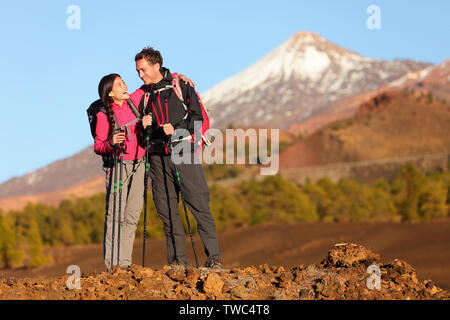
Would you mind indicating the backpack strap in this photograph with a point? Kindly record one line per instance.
(179, 93)
(134, 109)
(143, 104)
(125, 126)
(136, 113)
(177, 89)
(163, 89)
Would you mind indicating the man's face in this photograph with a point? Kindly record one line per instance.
(147, 72)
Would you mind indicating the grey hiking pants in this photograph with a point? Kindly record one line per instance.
(132, 202)
(196, 194)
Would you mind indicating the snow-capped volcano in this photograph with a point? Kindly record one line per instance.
(303, 77)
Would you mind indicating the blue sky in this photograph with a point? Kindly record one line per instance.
(50, 74)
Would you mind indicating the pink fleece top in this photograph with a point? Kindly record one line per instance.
(124, 115)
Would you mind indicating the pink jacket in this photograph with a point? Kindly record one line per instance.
(124, 115)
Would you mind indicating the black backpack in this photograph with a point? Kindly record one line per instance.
(96, 107)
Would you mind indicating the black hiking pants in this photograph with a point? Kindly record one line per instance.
(196, 195)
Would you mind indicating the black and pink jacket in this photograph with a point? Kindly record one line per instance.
(166, 107)
(124, 115)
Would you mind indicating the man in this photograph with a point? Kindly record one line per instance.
(167, 114)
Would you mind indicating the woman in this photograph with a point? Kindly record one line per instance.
(119, 235)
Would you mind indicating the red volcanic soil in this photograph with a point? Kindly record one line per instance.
(274, 255)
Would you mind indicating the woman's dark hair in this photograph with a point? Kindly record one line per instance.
(104, 88)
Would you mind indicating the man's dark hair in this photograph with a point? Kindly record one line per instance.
(151, 55)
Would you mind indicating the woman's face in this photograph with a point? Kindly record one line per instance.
(119, 90)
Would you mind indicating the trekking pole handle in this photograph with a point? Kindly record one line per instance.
(122, 144)
(148, 129)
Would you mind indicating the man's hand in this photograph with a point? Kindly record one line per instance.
(184, 78)
(146, 121)
(168, 129)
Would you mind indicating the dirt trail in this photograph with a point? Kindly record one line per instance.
(342, 274)
(426, 246)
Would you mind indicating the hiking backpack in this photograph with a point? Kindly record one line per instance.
(96, 107)
(178, 92)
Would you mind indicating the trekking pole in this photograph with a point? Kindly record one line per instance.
(114, 208)
(145, 191)
(184, 206)
(120, 199)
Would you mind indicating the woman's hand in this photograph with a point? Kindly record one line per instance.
(146, 121)
(185, 79)
(117, 138)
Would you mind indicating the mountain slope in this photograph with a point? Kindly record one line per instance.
(62, 174)
(54, 198)
(342, 110)
(302, 77)
(435, 79)
(392, 124)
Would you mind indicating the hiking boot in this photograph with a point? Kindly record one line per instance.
(177, 267)
(214, 263)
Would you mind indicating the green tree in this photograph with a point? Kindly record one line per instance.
(406, 189)
(277, 199)
(10, 255)
(36, 250)
(333, 201)
(291, 203)
(384, 208)
(302, 207)
(81, 234)
(355, 200)
(432, 201)
(226, 209)
(320, 198)
(251, 195)
(381, 184)
(65, 233)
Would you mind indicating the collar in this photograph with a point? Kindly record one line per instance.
(167, 79)
(115, 105)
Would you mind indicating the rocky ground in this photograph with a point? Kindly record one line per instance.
(342, 274)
